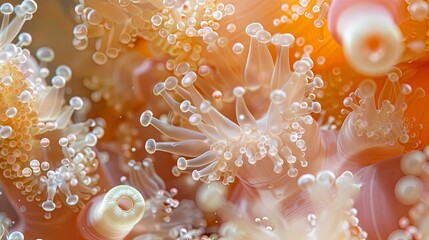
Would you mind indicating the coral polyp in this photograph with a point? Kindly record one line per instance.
(382, 124)
(220, 145)
(34, 114)
(214, 119)
(334, 216)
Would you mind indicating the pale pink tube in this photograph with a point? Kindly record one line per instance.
(369, 33)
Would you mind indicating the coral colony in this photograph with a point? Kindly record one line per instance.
(214, 119)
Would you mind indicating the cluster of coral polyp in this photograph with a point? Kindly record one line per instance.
(215, 119)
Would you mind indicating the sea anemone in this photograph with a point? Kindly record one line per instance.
(220, 146)
(34, 114)
(333, 218)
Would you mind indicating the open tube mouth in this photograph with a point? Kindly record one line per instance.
(125, 203)
(115, 215)
(372, 41)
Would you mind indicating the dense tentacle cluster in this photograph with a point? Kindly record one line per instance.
(34, 113)
(219, 145)
(18, 116)
(69, 165)
(335, 217)
(384, 123)
(170, 24)
(179, 22)
(17, 112)
(189, 32)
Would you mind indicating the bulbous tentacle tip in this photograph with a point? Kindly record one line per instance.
(189, 79)
(146, 118)
(158, 88)
(150, 146)
(372, 44)
(253, 28)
